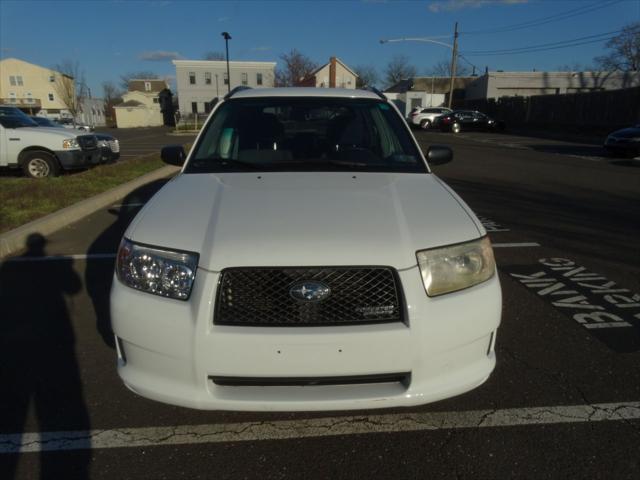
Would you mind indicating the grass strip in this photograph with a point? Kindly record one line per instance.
(23, 199)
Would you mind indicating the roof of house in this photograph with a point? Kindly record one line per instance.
(130, 103)
(430, 84)
(138, 85)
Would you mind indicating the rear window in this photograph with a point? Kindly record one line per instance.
(300, 134)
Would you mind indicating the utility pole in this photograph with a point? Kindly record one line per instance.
(454, 61)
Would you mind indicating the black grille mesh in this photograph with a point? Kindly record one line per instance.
(260, 297)
(87, 142)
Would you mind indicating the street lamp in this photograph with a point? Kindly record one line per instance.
(454, 54)
(227, 37)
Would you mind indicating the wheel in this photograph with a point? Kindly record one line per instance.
(425, 124)
(40, 165)
(455, 128)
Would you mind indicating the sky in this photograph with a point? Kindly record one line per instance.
(108, 38)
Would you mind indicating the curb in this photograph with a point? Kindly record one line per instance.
(14, 240)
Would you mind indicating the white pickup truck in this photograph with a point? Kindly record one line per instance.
(42, 152)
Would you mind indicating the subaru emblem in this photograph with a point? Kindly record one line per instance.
(309, 291)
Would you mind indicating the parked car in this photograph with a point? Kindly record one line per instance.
(109, 147)
(69, 123)
(423, 117)
(305, 258)
(463, 120)
(625, 142)
(42, 152)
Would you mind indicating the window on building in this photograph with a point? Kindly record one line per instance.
(12, 80)
(29, 98)
(19, 79)
(207, 78)
(156, 100)
(194, 107)
(52, 78)
(207, 107)
(258, 79)
(192, 78)
(226, 78)
(147, 86)
(245, 79)
(51, 97)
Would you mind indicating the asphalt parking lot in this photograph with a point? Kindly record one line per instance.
(135, 142)
(563, 402)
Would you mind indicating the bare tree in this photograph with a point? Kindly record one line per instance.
(624, 50)
(443, 69)
(296, 67)
(112, 97)
(213, 56)
(70, 86)
(124, 79)
(367, 75)
(398, 69)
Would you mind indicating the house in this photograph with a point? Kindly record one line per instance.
(33, 89)
(141, 104)
(334, 74)
(526, 84)
(200, 81)
(426, 92)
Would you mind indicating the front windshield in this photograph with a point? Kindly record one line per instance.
(305, 134)
(11, 117)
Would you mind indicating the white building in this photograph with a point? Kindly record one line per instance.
(526, 84)
(200, 81)
(141, 104)
(334, 74)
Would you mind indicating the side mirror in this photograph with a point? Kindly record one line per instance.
(439, 154)
(173, 155)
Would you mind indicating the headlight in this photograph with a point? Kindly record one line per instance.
(154, 270)
(70, 143)
(452, 268)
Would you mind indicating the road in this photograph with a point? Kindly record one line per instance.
(563, 402)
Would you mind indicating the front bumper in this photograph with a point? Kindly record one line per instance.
(169, 350)
(75, 159)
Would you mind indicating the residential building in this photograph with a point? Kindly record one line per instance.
(141, 104)
(200, 81)
(334, 74)
(426, 92)
(526, 84)
(32, 88)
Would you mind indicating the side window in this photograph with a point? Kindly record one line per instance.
(192, 78)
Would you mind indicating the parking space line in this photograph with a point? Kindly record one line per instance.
(315, 427)
(515, 245)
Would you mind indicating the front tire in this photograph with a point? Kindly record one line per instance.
(40, 165)
(455, 128)
(425, 124)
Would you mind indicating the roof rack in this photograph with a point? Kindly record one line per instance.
(235, 90)
(376, 91)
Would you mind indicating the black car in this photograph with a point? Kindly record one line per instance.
(109, 148)
(460, 120)
(625, 142)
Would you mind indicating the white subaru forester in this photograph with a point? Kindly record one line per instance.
(305, 258)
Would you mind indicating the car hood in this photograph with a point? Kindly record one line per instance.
(626, 133)
(36, 131)
(304, 219)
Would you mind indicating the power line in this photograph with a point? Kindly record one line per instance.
(544, 20)
(553, 45)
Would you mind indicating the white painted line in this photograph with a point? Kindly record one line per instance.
(93, 256)
(515, 245)
(314, 427)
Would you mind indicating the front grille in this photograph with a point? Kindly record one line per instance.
(88, 142)
(262, 297)
(402, 378)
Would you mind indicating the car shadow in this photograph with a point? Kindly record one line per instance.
(41, 385)
(99, 270)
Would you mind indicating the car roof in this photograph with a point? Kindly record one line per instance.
(305, 92)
